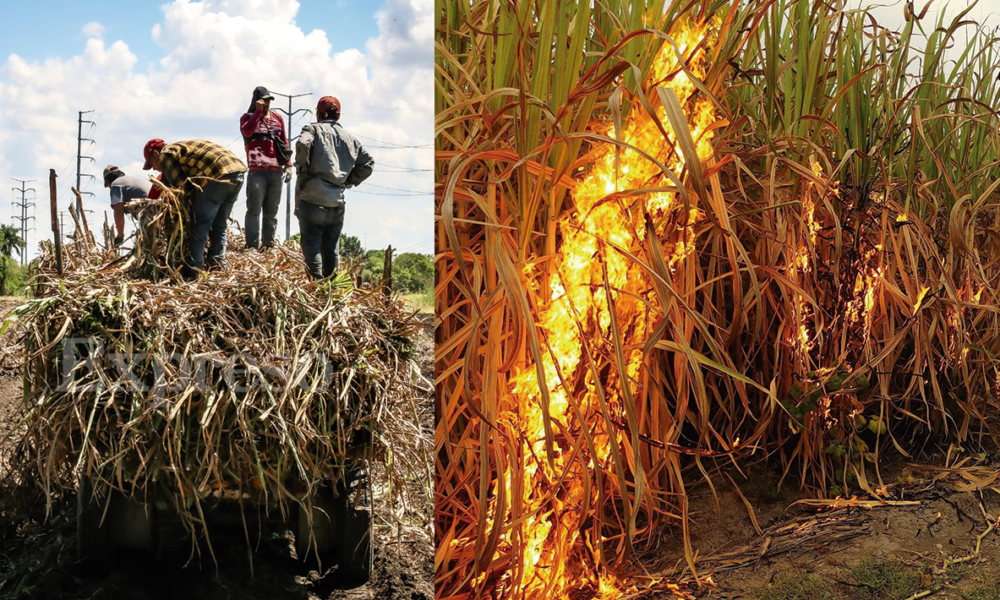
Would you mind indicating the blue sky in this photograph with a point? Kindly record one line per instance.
(132, 21)
(180, 69)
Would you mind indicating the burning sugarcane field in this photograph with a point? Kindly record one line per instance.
(716, 300)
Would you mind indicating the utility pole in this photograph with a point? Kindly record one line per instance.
(80, 156)
(288, 185)
(24, 205)
(53, 206)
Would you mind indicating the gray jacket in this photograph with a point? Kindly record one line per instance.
(328, 160)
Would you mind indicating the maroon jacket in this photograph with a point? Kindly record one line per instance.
(260, 148)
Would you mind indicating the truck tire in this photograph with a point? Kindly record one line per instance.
(354, 544)
(93, 538)
(342, 535)
(318, 530)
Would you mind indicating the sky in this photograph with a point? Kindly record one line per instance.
(890, 12)
(185, 69)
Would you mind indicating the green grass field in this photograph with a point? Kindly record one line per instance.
(422, 302)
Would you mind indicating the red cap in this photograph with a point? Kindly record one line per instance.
(154, 191)
(326, 105)
(153, 144)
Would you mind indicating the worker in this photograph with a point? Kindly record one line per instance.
(124, 188)
(270, 160)
(328, 161)
(212, 176)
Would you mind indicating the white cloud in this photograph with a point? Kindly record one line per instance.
(93, 30)
(214, 53)
(406, 33)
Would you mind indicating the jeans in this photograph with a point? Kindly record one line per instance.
(263, 191)
(211, 208)
(320, 227)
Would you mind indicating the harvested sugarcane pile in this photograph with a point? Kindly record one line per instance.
(248, 382)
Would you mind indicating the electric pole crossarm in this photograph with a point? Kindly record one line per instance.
(79, 152)
(23, 204)
(288, 184)
(290, 115)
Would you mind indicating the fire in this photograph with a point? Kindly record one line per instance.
(920, 298)
(813, 194)
(558, 552)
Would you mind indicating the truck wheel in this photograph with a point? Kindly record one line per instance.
(318, 530)
(354, 544)
(342, 533)
(93, 538)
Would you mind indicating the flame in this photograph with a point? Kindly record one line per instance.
(558, 554)
(920, 298)
(814, 193)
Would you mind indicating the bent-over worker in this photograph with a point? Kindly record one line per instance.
(124, 188)
(213, 177)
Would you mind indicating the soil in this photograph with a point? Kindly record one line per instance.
(37, 552)
(38, 561)
(933, 539)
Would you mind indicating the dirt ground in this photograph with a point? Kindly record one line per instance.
(37, 555)
(923, 548)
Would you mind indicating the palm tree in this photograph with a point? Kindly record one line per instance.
(10, 240)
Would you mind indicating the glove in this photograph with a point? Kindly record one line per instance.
(288, 173)
(119, 241)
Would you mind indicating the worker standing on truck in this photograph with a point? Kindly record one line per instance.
(270, 160)
(212, 176)
(328, 160)
(124, 188)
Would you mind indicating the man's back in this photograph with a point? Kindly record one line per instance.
(329, 160)
(333, 153)
(127, 188)
(197, 159)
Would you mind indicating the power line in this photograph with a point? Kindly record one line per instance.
(418, 245)
(387, 110)
(400, 147)
(122, 150)
(393, 145)
(387, 194)
(400, 169)
(297, 121)
(400, 190)
(236, 139)
(62, 171)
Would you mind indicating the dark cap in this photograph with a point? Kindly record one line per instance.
(111, 172)
(151, 145)
(328, 107)
(259, 93)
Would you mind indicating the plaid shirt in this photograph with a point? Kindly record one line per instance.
(197, 160)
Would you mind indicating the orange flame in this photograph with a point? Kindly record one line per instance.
(920, 298)
(556, 555)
